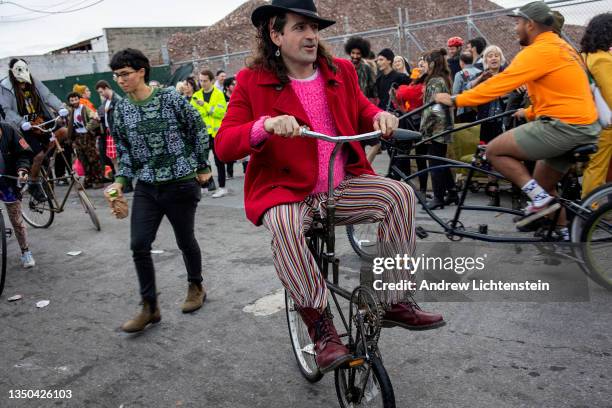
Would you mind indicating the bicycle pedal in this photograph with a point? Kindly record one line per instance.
(356, 362)
(421, 233)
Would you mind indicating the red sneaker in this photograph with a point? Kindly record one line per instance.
(331, 353)
(410, 316)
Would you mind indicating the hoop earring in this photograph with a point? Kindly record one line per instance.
(277, 53)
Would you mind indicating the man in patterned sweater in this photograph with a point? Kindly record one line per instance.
(161, 141)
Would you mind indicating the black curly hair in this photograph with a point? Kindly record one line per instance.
(598, 34)
(360, 43)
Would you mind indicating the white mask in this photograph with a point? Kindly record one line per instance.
(21, 72)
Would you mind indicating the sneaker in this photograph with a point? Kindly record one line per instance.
(27, 260)
(533, 212)
(221, 192)
(562, 234)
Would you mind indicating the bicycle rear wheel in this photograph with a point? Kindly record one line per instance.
(302, 345)
(363, 239)
(367, 385)
(3, 255)
(596, 241)
(39, 214)
(89, 209)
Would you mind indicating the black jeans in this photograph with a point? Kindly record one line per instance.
(177, 201)
(219, 165)
(230, 168)
(441, 179)
(422, 165)
(60, 164)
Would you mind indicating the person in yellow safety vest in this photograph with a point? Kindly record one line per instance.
(210, 103)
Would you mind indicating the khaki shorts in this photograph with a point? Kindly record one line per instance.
(550, 139)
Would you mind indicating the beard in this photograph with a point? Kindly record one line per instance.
(523, 39)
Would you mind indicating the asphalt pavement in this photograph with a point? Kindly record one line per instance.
(235, 352)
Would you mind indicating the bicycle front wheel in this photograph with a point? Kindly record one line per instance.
(367, 385)
(596, 241)
(3, 255)
(303, 346)
(363, 239)
(39, 214)
(89, 209)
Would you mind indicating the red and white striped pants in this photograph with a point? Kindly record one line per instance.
(363, 199)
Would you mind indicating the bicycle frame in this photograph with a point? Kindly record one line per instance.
(456, 228)
(58, 208)
(322, 236)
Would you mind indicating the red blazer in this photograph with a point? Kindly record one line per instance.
(283, 170)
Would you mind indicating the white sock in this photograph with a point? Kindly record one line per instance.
(563, 232)
(536, 193)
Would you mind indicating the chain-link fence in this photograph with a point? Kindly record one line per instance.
(412, 38)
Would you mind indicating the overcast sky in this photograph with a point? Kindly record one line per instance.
(25, 32)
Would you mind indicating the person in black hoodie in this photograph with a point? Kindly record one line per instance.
(15, 162)
(388, 79)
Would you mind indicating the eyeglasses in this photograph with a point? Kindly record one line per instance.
(123, 75)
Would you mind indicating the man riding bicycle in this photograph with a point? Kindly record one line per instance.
(562, 116)
(293, 81)
(26, 99)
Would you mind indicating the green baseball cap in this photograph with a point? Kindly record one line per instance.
(537, 11)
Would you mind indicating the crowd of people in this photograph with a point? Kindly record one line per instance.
(157, 141)
(389, 81)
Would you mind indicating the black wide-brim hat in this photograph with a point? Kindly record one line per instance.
(304, 8)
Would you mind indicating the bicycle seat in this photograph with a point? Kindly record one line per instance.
(405, 135)
(581, 153)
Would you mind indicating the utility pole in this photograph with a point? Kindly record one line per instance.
(406, 39)
(400, 31)
(469, 19)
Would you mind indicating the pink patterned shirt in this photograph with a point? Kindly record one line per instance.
(311, 92)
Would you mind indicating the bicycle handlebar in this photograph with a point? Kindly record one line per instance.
(340, 139)
(18, 179)
(27, 126)
(399, 133)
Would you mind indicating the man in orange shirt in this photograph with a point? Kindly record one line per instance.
(562, 116)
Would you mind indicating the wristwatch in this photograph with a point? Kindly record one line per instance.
(454, 101)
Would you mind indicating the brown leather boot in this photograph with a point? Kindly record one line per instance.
(410, 316)
(195, 298)
(330, 352)
(148, 314)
